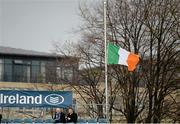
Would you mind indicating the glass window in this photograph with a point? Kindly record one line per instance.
(17, 73)
(7, 69)
(41, 72)
(51, 72)
(8, 61)
(28, 73)
(18, 61)
(27, 62)
(35, 70)
(43, 67)
(42, 76)
(27, 69)
(58, 72)
(1, 69)
(67, 73)
(35, 62)
(21, 73)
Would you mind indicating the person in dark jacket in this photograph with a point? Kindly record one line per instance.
(59, 116)
(71, 116)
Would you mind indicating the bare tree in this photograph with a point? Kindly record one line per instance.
(162, 24)
(88, 83)
(149, 28)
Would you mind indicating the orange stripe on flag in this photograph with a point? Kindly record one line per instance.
(132, 61)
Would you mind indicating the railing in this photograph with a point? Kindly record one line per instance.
(42, 121)
(85, 114)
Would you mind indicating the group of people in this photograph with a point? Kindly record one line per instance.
(61, 117)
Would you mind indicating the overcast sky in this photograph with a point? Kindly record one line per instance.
(35, 24)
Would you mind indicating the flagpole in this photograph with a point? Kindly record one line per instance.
(105, 49)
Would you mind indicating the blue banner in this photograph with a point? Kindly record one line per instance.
(23, 98)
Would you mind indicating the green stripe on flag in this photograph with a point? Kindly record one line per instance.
(113, 56)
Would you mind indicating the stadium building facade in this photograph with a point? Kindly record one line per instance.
(31, 70)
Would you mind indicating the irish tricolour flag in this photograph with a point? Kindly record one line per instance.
(117, 55)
